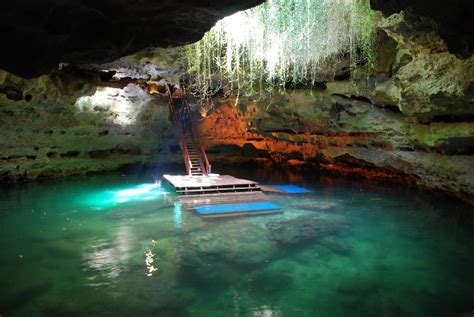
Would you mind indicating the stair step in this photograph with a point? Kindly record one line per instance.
(189, 202)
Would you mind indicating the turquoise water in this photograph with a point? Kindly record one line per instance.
(116, 245)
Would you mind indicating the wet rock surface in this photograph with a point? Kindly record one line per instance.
(74, 127)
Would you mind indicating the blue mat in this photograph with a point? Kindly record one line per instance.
(292, 189)
(234, 208)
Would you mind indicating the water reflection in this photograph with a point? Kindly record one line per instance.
(149, 259)
(177, 213)
(135, 193)
(266, 311)
(107, 260)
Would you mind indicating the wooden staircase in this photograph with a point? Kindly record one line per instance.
(196, 167)
(194, 155)
(210, 195)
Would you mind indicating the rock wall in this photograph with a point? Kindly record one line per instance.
(411, 120)
(62, 127)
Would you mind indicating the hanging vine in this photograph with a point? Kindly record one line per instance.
(281, 42)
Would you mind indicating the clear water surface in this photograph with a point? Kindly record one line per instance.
(115, 245)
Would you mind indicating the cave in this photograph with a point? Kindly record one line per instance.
(237, 158)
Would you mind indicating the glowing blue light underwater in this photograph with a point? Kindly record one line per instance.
(141, 192)
(178, 217)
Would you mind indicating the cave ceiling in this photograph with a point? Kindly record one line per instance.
(40, 34)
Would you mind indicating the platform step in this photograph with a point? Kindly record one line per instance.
(239, 209)
(214, 199)
(199, 192)
(211, 185)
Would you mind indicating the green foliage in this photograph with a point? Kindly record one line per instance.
(281, 42)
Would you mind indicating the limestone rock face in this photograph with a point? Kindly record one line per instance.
(62, 128)
(453, 19)
(39, 34)
(411, 120)
(434, 81)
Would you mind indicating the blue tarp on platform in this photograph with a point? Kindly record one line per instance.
(235, 208)
(292, 189)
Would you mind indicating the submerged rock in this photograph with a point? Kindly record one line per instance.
(336, 246)
(321, 206)
(301, 229)
(235, 242)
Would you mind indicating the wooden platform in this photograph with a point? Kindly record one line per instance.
(216, 196)
(210, 185)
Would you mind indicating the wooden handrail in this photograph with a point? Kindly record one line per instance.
(204, 162)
